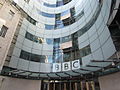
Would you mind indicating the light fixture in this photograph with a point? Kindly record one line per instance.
(113, 64)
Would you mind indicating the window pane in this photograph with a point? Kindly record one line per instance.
(35, 58)
(49, 27)
(25, 55)
(29, 36)
(3, 31)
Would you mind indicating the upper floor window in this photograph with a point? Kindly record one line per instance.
(25, 55)
(85, 51)
(66, 1)
(46, 14)
(31, 20)
(49, 5)
(3, 31)
(49, 27)
(10, 15)
(34, 38)
(27, 1)
(29, 36)
(1, 5)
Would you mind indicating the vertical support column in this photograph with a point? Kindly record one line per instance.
(48, 87)
(87, 85)
(39, 85)
(65, 86)
(81, 84)
(54, 86)
(75, 86)
(70, 85)
(93, 85)
(60, 85)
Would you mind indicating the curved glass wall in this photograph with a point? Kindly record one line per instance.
(58, 3)
(62, 19)
(64, 49)
(65, 40)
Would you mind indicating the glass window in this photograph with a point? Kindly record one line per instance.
(27, 1)
(25, 55)
(58, 24)
(66, 22)
(34, 38)
(29, 36)
(49, 41)
(1, 5)
(46, 14)
(3, 31)
(10, 15)
(66, 1)
(49, 5)
(35, 58)
(38, 39)
(67, 56)
(72, 11)
(57, 16)
(85, 51)
(43, 58)
(31, 20)
(66, 38)
(65, 14)
(79, 15)
(50, 59)
(49, 27)
(59, 3)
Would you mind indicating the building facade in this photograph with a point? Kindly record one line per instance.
(64, 44)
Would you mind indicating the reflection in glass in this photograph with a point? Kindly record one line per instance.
(49, 41)
(49, 27)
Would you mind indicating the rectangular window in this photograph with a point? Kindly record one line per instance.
(38, 39)
(10, 15)
(49, 27)
(79, 15)
(49, 41)
(66, 21)
(58, 24)
(65, 14)
(66, 1)
(59, 3)
(31, 20)
(35, 58)
(85, 51)
(3, 31)
(27, 1)
(57, 16)
(46, 14)
(29, 36)
(25, 55)
(49, 5)
(1, 5)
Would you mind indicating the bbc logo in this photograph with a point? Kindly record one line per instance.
(66, 66)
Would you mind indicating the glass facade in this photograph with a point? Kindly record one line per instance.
(62, 39)
(63, 19)
(64, 44)
(58, 3)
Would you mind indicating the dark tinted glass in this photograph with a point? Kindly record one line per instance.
(25, 55)
(29, 36)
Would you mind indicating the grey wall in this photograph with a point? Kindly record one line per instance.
(19, 84)
(110, 82)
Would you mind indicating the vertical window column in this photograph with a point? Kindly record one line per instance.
(3, 31)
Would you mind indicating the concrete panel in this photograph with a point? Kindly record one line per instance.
(110, 82)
